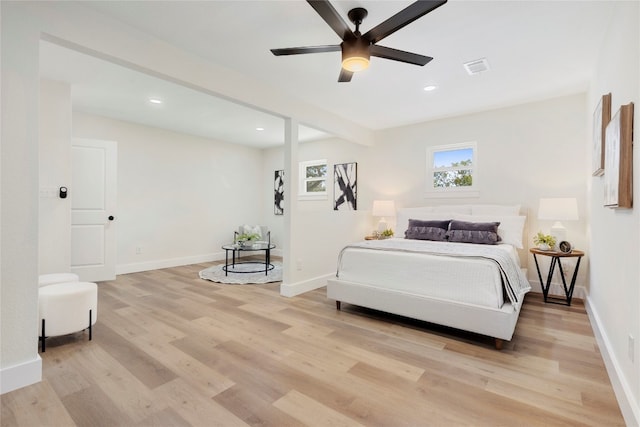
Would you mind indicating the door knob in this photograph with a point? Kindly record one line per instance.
(111, 217)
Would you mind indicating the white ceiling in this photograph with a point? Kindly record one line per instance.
(106, 89)
(535, 49)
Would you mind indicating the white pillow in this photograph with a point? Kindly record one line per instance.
(495, 210)
(403, 215)
(510, 228)
(252, 229)
(425, 214)
(451, 209)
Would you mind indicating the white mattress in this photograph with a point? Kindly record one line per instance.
(475, 281)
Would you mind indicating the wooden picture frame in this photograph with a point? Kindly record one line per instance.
(618, 182)
(601, 118)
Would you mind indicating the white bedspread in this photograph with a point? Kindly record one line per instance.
(469, 273)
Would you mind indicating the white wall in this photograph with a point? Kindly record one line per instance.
(54, 235)
(321, 231)
(614, 297)
(180, 197)
(524, 152)
(20, 364)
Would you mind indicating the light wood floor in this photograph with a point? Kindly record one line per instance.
(170, 349)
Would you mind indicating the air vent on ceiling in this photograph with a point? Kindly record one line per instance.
(476, 67)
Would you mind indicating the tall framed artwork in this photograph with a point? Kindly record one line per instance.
(278, 192)
(618, 168)
(601, 118)
(345, 186)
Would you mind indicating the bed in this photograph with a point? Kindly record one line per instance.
(470, 283)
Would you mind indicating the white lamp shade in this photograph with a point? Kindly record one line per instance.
(383, 208)
(558, 209)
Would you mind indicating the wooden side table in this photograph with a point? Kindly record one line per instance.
(555, 260)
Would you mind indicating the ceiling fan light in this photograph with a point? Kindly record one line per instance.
(355, 63)
(355, 54)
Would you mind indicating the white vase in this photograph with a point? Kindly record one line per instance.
(543, 246)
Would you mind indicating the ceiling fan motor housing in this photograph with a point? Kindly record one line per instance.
(355, 48)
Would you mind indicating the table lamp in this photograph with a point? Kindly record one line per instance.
(383, 208)
(558, 209)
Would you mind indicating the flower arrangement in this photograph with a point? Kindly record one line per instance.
(544, 241)
(244, 237)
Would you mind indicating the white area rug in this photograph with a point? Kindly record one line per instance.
(216, 274)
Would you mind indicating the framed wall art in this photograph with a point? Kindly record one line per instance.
(278, 192)
(345, 186)
(618, 168)
(601, 118)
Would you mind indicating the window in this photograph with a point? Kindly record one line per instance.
(451, 170)
(313, 180)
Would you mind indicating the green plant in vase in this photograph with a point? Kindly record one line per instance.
(386, 233)
(545, 242)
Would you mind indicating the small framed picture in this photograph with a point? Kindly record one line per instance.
(618, 175)
(278, 193)
(345, 186)
(601, 118)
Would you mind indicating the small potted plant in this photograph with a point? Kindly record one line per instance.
(386, 234)
(545, 242)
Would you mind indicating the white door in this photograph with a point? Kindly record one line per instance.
(93, 209)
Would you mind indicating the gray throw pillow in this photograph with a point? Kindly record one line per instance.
(474, 226)
(473, 236)
(426, 233)
(427, 230)
(485, 233)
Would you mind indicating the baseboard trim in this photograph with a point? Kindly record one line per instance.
(293, 289)
(22, 375)
(167, 263)
(628, 406)
(137, 267)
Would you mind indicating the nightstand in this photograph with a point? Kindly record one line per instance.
(556, 256)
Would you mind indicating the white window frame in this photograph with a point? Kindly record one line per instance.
(469, 191)
(303, 194)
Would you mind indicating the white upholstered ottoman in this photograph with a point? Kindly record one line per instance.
(65, 308)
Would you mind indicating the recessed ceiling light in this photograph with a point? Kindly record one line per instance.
(430, 88)
(259, 128)
(155, 101)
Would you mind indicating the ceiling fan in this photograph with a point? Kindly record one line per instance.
(358, 48)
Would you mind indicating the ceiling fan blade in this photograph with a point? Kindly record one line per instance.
(345, 76)
(399, 55)
(306, 49)
(331, 17)
(401, 19)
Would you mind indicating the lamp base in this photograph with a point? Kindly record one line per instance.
(559, 232)
(382, 225)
